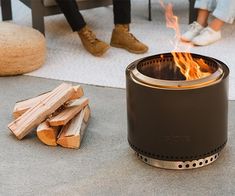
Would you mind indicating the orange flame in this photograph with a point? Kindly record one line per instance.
(191, 68)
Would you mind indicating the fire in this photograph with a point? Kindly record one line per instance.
(191, 68)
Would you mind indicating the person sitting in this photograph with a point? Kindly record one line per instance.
(201, 33)
(121, 37)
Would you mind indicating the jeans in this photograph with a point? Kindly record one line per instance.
(121, 11)
(221, 9)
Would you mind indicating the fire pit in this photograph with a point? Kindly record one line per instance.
(174, 120)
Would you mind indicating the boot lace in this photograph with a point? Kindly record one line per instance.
(90, 36)
(194, 26)
(126, 29)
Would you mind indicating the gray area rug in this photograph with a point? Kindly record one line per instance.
(67, 59)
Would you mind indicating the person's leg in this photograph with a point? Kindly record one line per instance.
(216, 24)
(208, 5)
(203, 17)
(204, 7)
(224, 12)
(121, 37)
(122, 11)
(72, 14)
(71, 11)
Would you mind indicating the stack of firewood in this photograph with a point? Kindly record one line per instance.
(59, 116)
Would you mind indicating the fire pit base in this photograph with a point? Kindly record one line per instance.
(179, 165)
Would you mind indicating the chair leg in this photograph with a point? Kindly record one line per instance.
(38, 16)
(150, 10)
(6, 10)
(192, 11)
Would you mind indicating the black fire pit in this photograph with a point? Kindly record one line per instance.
(175, 123)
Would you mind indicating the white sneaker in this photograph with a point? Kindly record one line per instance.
(207, 36)
(194, 30)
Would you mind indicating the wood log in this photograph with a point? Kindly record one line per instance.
(87, 113)
(46, 134)
(70, 111)
(72, 134)
(78, 92)
(22, 106)
(38, 113)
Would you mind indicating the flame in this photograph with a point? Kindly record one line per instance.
(191, 68)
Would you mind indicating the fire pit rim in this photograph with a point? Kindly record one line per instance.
(145, 80)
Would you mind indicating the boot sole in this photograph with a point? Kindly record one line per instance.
(129, 50)
(101, 53)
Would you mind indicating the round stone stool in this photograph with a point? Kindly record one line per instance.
(22, 49)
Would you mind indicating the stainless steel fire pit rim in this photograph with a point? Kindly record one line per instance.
(144, 80)
(179, 165)
(176, 85)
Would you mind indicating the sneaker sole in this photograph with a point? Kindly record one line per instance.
(129, 50)
(206, 44)
(185, 40)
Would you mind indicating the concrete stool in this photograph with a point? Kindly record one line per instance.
(22, 49)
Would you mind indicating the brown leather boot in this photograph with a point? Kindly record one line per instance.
(93, 45)
(122, 38)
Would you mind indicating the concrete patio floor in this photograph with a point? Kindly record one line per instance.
(105, 164)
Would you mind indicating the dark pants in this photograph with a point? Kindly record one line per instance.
(121, 11)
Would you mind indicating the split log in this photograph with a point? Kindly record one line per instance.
(46, 134)
(87, 114)
(78, 92)
(70, 111)
(38, 113)
(22, 106)
(72, 134)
